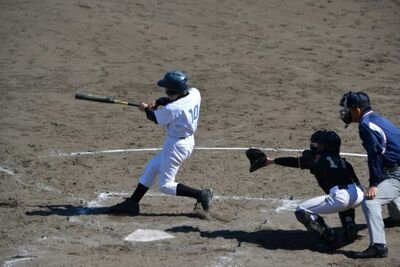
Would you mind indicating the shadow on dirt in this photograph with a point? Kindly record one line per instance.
(271, 239)
(70, 210)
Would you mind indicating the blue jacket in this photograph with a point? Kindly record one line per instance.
(381, 140)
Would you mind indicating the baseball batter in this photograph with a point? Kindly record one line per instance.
(334, 175)
(179, 113)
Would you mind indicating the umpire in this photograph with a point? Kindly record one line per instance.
(381, 140)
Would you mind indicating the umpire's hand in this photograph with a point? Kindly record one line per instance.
(371, 192)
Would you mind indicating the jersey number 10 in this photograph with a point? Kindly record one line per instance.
(194, 113)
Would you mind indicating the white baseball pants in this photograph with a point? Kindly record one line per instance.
(167, 163)
(338, 200)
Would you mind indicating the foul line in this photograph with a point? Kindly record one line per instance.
(110, 151)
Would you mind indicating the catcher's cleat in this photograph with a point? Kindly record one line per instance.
(206, 198)
(128, 206)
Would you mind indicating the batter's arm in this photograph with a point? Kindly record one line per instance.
(149, 112)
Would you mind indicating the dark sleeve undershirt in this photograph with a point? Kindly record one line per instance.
(150, 115)
(163, 101)
(288, 162)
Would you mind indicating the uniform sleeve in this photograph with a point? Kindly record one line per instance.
(163, 101)
(150, 115)
(164, 115)
(306, 161)
(374, 152)
(287, 162)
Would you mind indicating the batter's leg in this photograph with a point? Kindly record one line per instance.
(151, 171)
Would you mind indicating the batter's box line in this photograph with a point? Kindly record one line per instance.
(284, 204)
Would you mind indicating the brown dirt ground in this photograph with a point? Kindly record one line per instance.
(270, 73)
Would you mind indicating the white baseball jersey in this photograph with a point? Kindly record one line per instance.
(180, 117)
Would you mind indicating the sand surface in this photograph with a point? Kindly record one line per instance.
(270, 74)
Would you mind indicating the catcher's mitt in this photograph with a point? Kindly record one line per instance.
(257, 158)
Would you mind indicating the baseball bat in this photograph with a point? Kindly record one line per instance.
(104, 99)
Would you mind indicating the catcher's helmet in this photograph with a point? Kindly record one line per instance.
(332, 142)
(175, 82)
(325, 141)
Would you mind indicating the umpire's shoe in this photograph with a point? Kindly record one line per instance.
(373, 251)
(206, 198)
(128, 206)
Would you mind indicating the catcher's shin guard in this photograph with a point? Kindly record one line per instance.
(317, 227)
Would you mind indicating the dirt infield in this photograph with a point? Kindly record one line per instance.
(270, 73)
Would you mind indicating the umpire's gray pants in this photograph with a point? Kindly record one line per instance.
(388, 192)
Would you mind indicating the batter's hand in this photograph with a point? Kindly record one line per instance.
(142, 106)
(371, 192)
(152, 105)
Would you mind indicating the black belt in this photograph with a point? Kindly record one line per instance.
(342, 186)
(179, 137)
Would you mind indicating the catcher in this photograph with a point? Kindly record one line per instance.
(334, 175)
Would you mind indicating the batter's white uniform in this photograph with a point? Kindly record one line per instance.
(180, 119)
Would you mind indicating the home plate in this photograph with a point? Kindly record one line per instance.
(146, 235)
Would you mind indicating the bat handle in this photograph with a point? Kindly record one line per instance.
(134, 104)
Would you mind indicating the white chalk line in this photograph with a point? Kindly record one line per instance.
(286, 204)
(10, 172)
(17, 259)
(110, 151)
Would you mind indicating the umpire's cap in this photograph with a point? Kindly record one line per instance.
(355, 100)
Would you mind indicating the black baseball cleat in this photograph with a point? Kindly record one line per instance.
(373, 251)
(390, 222)
(128, 206)
(206, 198)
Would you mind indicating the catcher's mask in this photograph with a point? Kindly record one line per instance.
(175, 82)
(352, 100)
